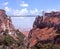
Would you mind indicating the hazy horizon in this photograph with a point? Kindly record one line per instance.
(23, 23)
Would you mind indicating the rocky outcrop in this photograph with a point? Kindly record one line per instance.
(45, 28)
(10, 37)
(5, 22)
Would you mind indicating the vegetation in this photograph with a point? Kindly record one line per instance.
(45, 46)
(8, 42)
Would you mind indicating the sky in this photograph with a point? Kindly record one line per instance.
(27, 7)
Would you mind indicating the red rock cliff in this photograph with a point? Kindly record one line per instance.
(44, 28)
(5, 22)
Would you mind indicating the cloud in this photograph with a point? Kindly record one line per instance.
(50, 10)
(23, 11)
(23, 4)
(16, 12)
(6, 3)
(20, 12)
(35, 11)
(7, 9)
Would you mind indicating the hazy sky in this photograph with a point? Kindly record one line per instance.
(28, 7)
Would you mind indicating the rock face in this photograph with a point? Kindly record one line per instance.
(5, 22)
(45, 28)
(10, 36)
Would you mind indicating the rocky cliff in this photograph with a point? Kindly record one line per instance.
(45, 28)
(10, 37)
(5, 22)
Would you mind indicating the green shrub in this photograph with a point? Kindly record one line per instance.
(8, 40)
(56, 47)
(45, 46)
(33, 47)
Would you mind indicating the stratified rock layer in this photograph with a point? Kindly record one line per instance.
(45, 28)
(5, 22)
